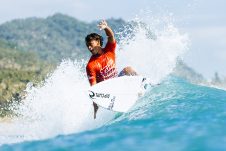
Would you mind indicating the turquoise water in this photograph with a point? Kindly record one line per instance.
(174, 116)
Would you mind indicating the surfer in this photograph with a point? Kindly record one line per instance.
(101, 65)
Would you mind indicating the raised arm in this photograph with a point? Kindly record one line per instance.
(103, 25)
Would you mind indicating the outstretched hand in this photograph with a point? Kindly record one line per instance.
(102, 25)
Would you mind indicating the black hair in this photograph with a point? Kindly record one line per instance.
(94, 36)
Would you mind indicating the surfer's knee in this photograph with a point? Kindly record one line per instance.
(129, 71)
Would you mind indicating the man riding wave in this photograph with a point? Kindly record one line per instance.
(101, 65)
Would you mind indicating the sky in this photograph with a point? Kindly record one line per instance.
(203, 20)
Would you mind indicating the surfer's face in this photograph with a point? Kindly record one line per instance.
(94, 46)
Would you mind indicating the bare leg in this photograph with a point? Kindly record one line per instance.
(95, 109)
(129, 71)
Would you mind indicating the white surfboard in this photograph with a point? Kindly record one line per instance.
(117, 94)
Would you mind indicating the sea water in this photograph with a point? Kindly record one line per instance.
(175, 115)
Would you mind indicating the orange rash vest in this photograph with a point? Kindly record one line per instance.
(100, 68)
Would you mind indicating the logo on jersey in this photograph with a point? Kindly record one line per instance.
(109, 71)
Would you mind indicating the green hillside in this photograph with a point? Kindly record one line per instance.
(53, 38)
(17, 68)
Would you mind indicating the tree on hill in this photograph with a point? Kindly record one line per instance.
(17, 69)
(54, 38)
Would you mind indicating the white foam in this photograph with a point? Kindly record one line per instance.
(60, 106)
(152, 47)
